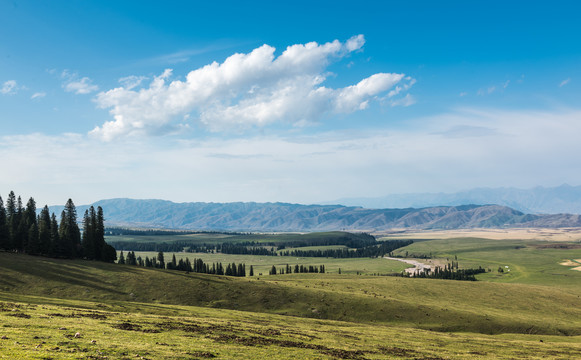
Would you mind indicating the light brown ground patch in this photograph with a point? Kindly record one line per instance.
(563, 234)
(575, 262)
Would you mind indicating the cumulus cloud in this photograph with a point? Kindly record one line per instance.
(252, 89)
(9, 87)
(72, 83)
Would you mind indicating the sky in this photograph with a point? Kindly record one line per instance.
(300, 102)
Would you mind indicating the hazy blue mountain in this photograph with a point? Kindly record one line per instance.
(295, 217)
(539, 200)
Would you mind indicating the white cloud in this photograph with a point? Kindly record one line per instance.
(9, 87)
(132, 81)
(461, 149)
(77, 85)
(253, 89)
(506, 83)
(37, 95)
(406, 101)
(565, 82)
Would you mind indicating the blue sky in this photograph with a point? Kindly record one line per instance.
(298, 102)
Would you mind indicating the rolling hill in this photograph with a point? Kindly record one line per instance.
(295, 217)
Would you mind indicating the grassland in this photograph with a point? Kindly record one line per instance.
(529, 312)
(47, 331)
(262, 264)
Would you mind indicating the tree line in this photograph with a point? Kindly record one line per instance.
(196, 266)
(297, 269)
(23, 231)
(380, 250)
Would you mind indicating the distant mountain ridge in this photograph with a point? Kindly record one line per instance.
(539, 200)
(252, 216)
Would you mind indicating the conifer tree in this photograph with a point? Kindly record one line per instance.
(69, 233)
(11, 219)
(88, 241)
(4, 233)
(121, 258)
(20, 228)
(161, 260)
(241, 270)
(251, 271)
(32, 243)
(44, 231)
(54, 236)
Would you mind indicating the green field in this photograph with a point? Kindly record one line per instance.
(531, 311)
(529, 261)
(262, 264)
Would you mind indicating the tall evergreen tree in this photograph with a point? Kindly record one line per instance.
(4, 233)
(32, 244)
(88, 240)
(69, 233)
(102, 250)
(11, 219)
(251, 271)
(121, 258)
(54, 236)
(20, 228)
(44, 233)
(161, 260)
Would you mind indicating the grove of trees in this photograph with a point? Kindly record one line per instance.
(23, 231)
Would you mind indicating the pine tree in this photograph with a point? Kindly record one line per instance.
(102, 249)
(251, 271)
(11, 219)
(272, 270)
(44, 231)
(88, 241)
(4, 233)
(32, 244)
(54, 236)
(121, 258)
(69, 233)
(161, 260)
(21, 230)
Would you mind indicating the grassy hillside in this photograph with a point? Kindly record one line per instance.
(418, 303)
(107, 332)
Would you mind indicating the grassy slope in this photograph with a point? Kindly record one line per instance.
(47, 332)
(419, 303)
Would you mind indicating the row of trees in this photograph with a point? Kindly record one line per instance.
(297, 269)
(197, 265)
(379, 250)
(23, 231)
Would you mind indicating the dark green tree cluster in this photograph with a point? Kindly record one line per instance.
(298, 269)
(450, 272)
(23, 231)
(377, 250)
(197, 265)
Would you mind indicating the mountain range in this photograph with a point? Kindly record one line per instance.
(252, 216)
(539, 200)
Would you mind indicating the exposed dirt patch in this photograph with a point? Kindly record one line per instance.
(201, 354)
(92, 315)
(262, 341)
(562, 246)
(576, 263)
(396, 351)
(133, 327)
(20, 315)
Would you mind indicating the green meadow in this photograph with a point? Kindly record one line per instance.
(532, 311)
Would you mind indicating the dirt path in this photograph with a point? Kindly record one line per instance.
(418, 266)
